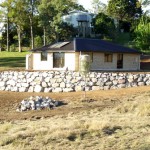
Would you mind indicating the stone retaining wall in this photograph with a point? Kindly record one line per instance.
(59, 81)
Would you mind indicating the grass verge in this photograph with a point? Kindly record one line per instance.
(12, 60)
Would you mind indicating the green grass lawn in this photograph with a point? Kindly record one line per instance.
(12, 60)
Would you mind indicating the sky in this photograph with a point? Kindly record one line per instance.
(87, 4)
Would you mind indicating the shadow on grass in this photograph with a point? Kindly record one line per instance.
(12, 62)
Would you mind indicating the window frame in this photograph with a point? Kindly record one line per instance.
(108, 57)
(44, 56)
(54, 61)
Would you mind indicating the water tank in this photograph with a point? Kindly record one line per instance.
(82, 17)
(84, 64)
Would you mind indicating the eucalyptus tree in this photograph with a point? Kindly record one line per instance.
(19, 18)
(99, 7)
(144, 3)
(46, 13)
(61, 8)
(124, 10)
(50, 14)
(31, 11)
(5, 14)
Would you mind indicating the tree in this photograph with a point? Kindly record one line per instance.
(46, 13)
(22, 15)
(50, 14)
(5, 16)
(142, 34)
(19, 18)
(144, 3)
(31, 9)
(104, 25)
(99, 7)
(38, 41)
(61, 7)
(67, 31)
(124, 10)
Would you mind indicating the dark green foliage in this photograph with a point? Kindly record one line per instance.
(124, 9)
(67, 32)
(38, 41)
(142, 34)
(104, 25)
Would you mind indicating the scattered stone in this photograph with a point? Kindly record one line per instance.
(37, 103)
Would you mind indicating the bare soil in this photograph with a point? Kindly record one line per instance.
(74, 102)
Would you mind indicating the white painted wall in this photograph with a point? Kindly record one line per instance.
(48, 65)
(70, 61)
(42, 65)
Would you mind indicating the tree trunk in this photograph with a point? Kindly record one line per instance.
(7, 34)
(19, 39)
(32, 35)
(0, 46)
(31, 26)
(44, 36)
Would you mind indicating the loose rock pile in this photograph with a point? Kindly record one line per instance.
(37, 103)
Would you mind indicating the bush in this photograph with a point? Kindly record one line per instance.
(13, 48)
(38, 41)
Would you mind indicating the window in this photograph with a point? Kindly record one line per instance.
(58, 60)
(43, 56)
(119, 61)
(108, 57)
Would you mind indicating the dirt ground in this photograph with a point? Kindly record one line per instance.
(74, 102)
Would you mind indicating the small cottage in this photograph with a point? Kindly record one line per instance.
(104, 55)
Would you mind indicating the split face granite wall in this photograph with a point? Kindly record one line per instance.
(59, 81)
